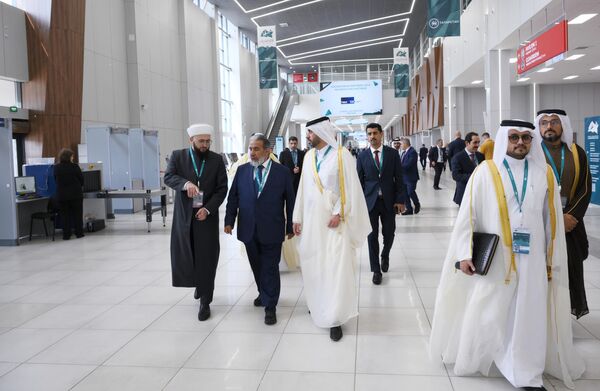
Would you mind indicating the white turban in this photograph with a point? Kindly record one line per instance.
(322, 127)
(197, 129)
(535, 155)
(567, 133)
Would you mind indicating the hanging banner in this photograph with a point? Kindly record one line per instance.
(545, 48)
(313, 77)
(267, 57)
(298, 77)
(592, 149)
(443, 18)
(401, 72)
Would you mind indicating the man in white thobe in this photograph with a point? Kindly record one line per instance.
(517, 315)
(331, 221)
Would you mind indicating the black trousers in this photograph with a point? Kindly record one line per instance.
(205, 259)
(411, 190)
(71, 216)
(388, 229)
(439, 167)
(264, 261)
(423, 162)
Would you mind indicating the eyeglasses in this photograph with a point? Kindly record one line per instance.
(514, 138)
(553, 122)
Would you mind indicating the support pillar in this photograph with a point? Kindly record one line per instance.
(497, 88)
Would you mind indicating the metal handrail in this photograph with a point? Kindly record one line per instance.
(274, 115)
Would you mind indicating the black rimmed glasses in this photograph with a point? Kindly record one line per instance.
(514, 138)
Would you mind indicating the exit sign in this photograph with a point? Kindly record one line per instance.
(13, 109)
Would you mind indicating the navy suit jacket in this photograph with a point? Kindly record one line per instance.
(462, 168)
(266, 214)
(390, 181)
(409, 162)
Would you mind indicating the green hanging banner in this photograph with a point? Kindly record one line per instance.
(443, 18)
(267, 58)
(401, 72)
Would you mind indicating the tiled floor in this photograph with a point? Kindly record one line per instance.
(99, 314)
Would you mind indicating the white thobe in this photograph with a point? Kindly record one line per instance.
(480, 320)
(328, 255)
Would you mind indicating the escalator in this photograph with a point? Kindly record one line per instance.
(281, 115)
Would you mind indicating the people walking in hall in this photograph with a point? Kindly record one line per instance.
(487, 146)
(199, 179)
(380, 174)
(454, 147)
(464, 163)
(261, 198)
(516, 315)
(332, 222)
(69, 193)
(571, 169)
(423, 151)
(437, 159)
(293, 158)
(410, 176)
(396, 144)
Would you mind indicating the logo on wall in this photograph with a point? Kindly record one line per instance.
(434, 23)
(593, 127)
(267, 34)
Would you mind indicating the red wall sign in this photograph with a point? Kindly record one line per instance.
(298, 77)
(313, 77)
(542, 48)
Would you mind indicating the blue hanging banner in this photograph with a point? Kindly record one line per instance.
(592, 149)
(443, 18)
(267, 57)
(401, 72)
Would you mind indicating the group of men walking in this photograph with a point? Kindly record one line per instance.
(515, 314)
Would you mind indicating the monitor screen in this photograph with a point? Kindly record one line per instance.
(25, 184)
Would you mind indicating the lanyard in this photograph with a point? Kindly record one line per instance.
(553, 165)
(317, 162)
(198, 175)
(380, 160)
(261, 183)
(514, 185)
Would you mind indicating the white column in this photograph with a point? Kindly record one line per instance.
(497, 88)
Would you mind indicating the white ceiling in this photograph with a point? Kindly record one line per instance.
(585, 36)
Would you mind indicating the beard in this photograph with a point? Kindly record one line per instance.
(256, 163)
(553, 137)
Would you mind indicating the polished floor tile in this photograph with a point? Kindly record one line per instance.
(101, 314)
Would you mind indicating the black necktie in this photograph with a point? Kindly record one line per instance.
(260, 172)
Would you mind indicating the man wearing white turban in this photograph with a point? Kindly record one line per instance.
(332, 222)
(199, 179)
(516, 315)
(572, 172)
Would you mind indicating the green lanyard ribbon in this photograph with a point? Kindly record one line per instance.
(260, 183)
(553, 165)
(198, 174)
(514, 185)
(317, 162)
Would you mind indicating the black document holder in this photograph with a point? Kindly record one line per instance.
(484, 248)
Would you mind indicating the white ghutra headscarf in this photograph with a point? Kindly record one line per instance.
(567, 133)
(322, 127)
(535, 155)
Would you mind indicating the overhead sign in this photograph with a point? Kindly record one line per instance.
(401, 72)
(298, 77)
(313, 77)
(267, 57)
(443, 18)
(351, 97)
(543, 48)
(592, 149)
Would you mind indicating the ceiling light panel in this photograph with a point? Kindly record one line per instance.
(353, 44)
(522, 79)
(574, 57)
(595, 68)
(544, 70)
(570, 77)
(283, 10)
(248, 11)
(293, 60)
(582, 18)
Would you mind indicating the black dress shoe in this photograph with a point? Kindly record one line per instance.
(335, 333)
(66, 237)
(385, 264)
(437, 188)
(196, 294)
(270, 316)
(417, 208)
(377, 278)
(79, 236)
(204, 312)
(535, 388)
(407, 213)
(258, 302)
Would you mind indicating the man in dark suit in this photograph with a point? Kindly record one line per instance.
(464, 163)
(410, 176)
(437, 159)
(423, 156)
(199, 179)
(262, 198)
(456, 146)
(293, 158)
(380, 176)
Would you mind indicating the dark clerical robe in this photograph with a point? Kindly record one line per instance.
(195, 244)
(577, 188)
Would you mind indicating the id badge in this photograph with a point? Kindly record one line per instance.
(520, 241)
(563, 201)
(198, 200)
